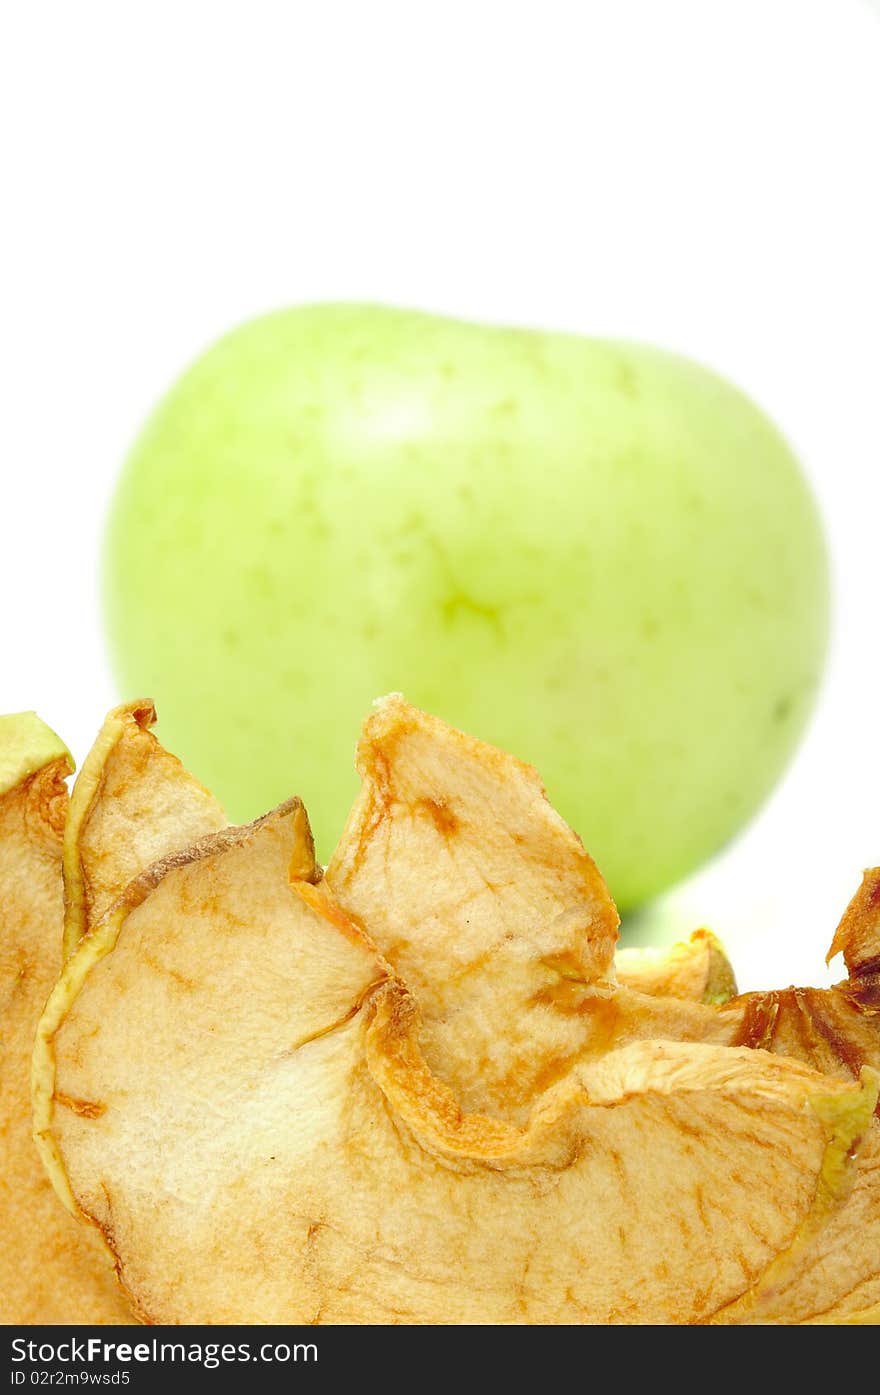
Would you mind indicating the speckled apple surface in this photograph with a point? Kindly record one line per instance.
(596, 554)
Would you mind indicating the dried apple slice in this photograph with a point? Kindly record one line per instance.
(51, 1270)
(837, 1029)
(697, 970)
(486, 904)
(132, 804)
(479, 895)
(248, 985)
(857, 938)
(230, 1082)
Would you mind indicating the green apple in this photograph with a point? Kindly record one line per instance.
(596, 554)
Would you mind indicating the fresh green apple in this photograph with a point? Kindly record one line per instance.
(598, 555)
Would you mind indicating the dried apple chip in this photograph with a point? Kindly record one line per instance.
(837, 1029)
(249, 987)
(479, 895)
(857, 936)
(230, 1082)
(132, 804)
(697, 969)
(51, 1269)
(486, 904)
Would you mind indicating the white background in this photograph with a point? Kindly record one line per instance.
(699, 173)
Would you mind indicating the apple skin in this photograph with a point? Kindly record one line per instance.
(595, 554)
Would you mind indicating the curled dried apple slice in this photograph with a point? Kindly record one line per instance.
(51, 1270)
(479, 895)
(248, 986)
(837, 1029)
(484, 901)
(697, 969)
(132, 804)
(487, 905)
(230, 1083)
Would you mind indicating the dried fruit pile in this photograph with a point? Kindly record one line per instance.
(414, 1087)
